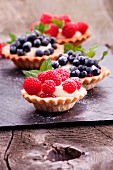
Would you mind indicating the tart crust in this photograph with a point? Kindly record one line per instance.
(58, 104)
(90, 82)
(76, 40)
(28, 61)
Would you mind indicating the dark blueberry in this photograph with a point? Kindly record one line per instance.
(71, 58)
(78, 53)
(81, 68)
(37, 43)
(51, 50)
(17, 44)
(65, 55)
(13, 49)
(20, 52)
(22, 39)
(31, 37)
(96, 64)
(40, 37)
(48, 38)
(89, 70)
(89, 62)
(37, 32)
(60, 55)
(83, 74)
(53, 40)
(82, 59)
(70, 52)
(62, 60)
(39, 53)
(96, 72)
(75, 73)
(45, 42)
(54, 46)
(27, 46)
(76, 62)
(73, 68)
(46, 52)
(55, 64)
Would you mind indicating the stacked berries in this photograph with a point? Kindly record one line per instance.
(68, 28)
(45, 84)
(80, 65)
(24, 44)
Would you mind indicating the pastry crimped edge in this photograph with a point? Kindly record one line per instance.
(75, 40)
(90, 82)
(28, 61)
(58, 104)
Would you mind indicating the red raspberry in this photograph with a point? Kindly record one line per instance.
(1, 46)
(78, 82)
(46, 95)
(66, 18)
(42, 76)
(69, 30)
(46, 18)
(48, 86)
(32, 86)
(69, 85)
(63, 73)
(53, 31)
(82, 27)
(33, 26)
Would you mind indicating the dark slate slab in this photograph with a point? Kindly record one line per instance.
(15, 111)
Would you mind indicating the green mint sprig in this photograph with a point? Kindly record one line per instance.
(46, 65)
(59, 23)
(42, 28)
(13, 38)
(70, 46)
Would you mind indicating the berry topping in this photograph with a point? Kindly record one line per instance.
(53, 30)
(46, 95)
(13, 50)
(48, 86)
(66, 18)
(20, 52)
(27, 46)
(46, 18)
(82, 27)
(63, 60)
(37, 43)
(22, 39)
(46, 52)
(69, 30)
(55, 64)
(69, 85)
(63, 73)
(45, 42)
(42, 76)
(78, 82)
(32, 86)
(39, 53)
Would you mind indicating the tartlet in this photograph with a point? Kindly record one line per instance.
(30, 60)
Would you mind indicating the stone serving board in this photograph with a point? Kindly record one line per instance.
(16, 112)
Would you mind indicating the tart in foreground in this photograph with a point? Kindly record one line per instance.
(30, 50)
(53, 91)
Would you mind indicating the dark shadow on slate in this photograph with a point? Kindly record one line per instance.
(16, 112)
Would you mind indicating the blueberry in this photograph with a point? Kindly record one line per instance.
(37, 43)
(27, 46)
(45, 42)
(55, 64)
(65, 55)
(89, 62)
(54, 46)
(78, 53)
(96, 64)
(37, 32)
(83, 74)
(70, 52)
(81, 68)
(82, 59)
(53, 40)
(39, 53)
(73, 68)
(51, 50)
(75, 73)
(22, 39)
(62, 60)
(17, 44)
(20, 52)
(46, 52)
(13, 49)
(89, 70)
(76, 62)
(60, 55)
(71, 58)
(31, 37)
(96, 72)
(40, 37)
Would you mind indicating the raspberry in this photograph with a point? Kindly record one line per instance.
(78, 82)
(46, 95)
(1, 46)
(69, 30)
(32, 86)
(42, 76)
(53, 31)
(52, 75)
(48, 86)
(33, 26)
(46, 18)
(66, 18)
(63, 73)
(82, 27)
(69, 85)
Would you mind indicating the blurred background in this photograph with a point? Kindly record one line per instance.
(16, 16)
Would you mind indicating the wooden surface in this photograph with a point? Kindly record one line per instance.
(28, 149)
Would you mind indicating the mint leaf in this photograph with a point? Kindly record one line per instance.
(46, 65)
(92, 51)
(13, 38)
(69, 46)
(103, 55)
(59, 23)
(42, 27)
(31, 73)
(27, 32)
(79, 48)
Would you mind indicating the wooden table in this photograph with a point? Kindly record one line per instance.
(27, 149)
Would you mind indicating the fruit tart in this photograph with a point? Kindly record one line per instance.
(30, 50)
(63, 28)
(53, 90)
(79, 65)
